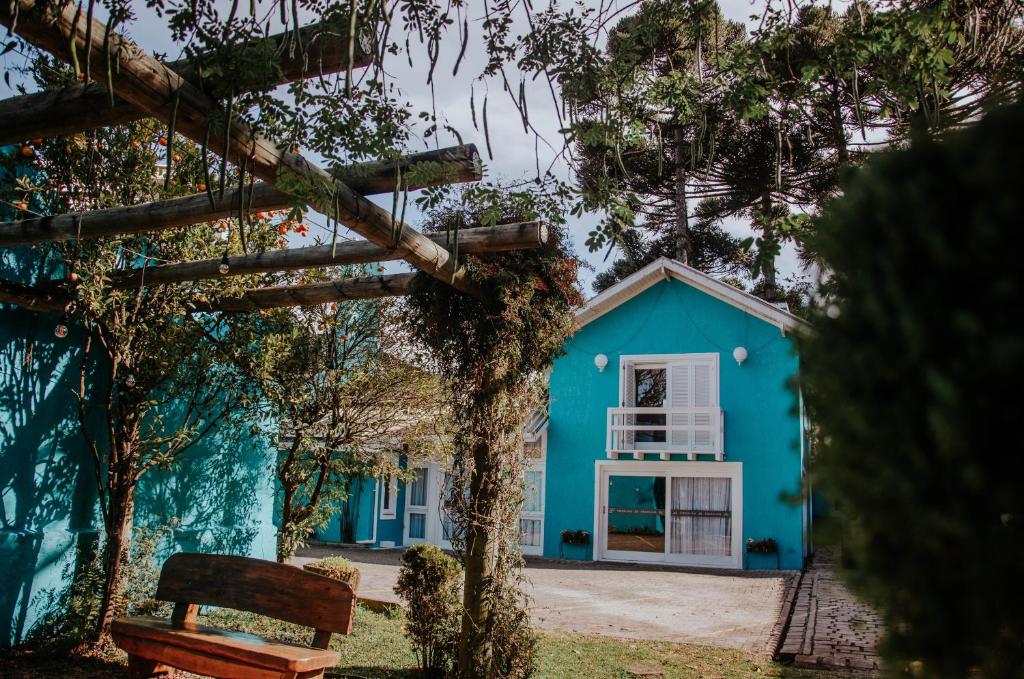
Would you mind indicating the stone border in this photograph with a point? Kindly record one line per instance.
(778, 634)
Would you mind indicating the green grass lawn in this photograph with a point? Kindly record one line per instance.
(377, 649)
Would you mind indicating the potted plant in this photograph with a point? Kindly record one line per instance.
(337, 567)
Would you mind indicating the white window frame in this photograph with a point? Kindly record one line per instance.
(389, 497)
(731, 470)
(418, 509)
(539, 464)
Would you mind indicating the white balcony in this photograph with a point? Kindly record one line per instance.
(666, 431)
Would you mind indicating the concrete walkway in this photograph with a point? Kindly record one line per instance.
(831, 628)
(697, 606)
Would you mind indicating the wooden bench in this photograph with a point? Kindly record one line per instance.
(154, 645)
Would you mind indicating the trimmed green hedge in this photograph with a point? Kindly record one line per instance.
(914, 377)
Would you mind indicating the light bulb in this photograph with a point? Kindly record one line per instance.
(224, 266)
(61, 330)
(130, 381)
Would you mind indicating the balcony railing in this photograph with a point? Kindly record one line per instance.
(666, 431)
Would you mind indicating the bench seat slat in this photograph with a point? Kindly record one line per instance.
(250, 649)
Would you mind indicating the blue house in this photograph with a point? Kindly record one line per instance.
(674, 435)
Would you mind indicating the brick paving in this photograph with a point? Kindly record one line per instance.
(831, 628)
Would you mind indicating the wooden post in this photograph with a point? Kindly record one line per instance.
(520, 236)
(151, 86)
(460, 162)
(84, 106)
(369, 287)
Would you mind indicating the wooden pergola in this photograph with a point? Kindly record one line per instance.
(146, 87)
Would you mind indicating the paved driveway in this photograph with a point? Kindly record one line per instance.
(718, 608)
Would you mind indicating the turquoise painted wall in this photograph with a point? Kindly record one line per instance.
(762, 426)
(218, 497)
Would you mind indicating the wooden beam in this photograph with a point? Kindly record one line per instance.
(151, 86)
(369, 287)
(84, 106)
(156, 216)
(519, 236)
(33, 299)
(460, 162)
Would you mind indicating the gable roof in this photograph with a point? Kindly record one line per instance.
(663, 269)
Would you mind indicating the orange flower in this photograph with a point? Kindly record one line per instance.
(162, 141)
(22, 205)
(27, 151)
(37, 141)
(176, 158)
(201, 186)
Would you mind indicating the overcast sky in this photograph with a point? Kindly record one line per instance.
(516, 153)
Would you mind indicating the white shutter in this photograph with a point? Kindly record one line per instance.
(680, 391)
(693, 383)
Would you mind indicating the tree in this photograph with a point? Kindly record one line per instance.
(491, 353)
(149, 383)
(906, 373)
(340, 392)
(648, 131)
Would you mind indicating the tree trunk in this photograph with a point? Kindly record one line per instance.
(768, 238)
(119, 528)
(682, 225)
(481, 553)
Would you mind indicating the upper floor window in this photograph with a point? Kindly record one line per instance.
(668, 403)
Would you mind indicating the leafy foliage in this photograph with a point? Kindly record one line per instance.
(907, 374)
(429, 584)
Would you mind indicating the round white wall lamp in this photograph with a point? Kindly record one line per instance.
(601, 361)
(740, 354)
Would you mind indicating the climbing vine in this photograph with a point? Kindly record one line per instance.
(493, 352)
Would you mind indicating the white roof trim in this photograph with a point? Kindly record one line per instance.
(666, 269)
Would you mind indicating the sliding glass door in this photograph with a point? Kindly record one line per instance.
(683, 513)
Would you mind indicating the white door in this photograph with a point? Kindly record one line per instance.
(417, 507)
(685, 513)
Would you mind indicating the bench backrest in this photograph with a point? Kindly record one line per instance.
(263, 587)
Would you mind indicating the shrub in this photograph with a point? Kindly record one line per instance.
(428, 583)
(71, 613)
(910, 376)
(337, 567)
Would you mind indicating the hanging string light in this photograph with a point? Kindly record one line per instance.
(61, 330)
(130, 381)
(224, 266)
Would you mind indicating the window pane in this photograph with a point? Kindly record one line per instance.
(387, 493)
(651, 387)
(702, 516)
(417, 526)
(418, 488)
(636, 513)
(531, 492)
(529, 532)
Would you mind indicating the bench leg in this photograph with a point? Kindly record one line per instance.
(143, 668)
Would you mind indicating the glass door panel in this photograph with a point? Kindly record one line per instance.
(701, 517)
(635, 518)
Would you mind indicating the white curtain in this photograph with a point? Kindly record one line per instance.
(701, 516)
